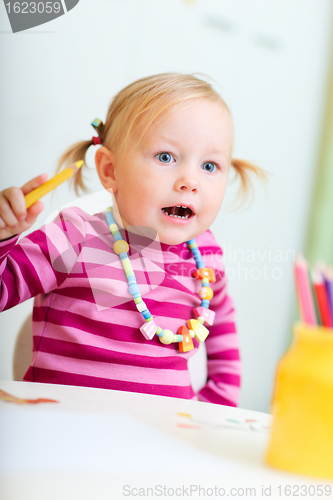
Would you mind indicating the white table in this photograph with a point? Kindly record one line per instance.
(101, 444)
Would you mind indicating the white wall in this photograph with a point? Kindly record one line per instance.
(270, 60)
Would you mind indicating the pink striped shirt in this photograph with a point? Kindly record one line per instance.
(86, 325)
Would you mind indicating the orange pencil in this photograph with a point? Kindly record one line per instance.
(42, 190)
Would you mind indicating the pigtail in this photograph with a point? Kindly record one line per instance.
(75, 153)
(244, 172)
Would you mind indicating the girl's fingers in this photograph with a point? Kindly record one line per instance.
(9, 206)
(2, 223)
(34, 211)
(34, 183)
(12, 202)
(13, 208)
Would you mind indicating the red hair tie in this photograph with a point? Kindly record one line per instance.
(96, 140)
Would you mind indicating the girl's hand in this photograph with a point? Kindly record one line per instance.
(14, 216)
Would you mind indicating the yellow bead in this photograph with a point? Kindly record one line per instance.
(168, 337)
(120, 246)
(127, 266)
(113, 227)
(206, 293)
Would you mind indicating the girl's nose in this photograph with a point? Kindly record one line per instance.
(187, 181)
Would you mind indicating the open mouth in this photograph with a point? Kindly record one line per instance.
(178, 211)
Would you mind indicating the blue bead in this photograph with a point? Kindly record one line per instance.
(205, 303)
(133, 289)
(195, 251)
(123, 255)
(109, 218)
(207, 285)
(131, 280)
(146, 314)
(117, 236)
(136, 295)
(161, 334)
(190, 241)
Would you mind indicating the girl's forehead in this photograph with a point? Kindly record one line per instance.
(200, 112)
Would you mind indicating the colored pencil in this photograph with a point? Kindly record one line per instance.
(303, 288)
(328, 278)
(299, 297)
(321, 297)
(59, 178)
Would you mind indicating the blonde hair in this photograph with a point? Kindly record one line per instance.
(137, 106)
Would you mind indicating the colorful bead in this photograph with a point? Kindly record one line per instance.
(159, 330)
(138, 300)
(205, 272)
(120, 246)
(113, 227)
(117, 235)
(206, 293)
(146, 314)
(148, 329)
(186, 344)
(201, 320)
(205, 303)
(207, 314)
(141, 306)
(123, 255)
(200, 331)
(192, 243)
(168, 337)
(127, 265)
(134, 289)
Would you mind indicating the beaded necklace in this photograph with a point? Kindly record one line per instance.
(195, 327)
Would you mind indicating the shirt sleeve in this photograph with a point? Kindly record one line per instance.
(41, 261)
(223, 358)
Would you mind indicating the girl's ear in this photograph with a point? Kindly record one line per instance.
(105, 165)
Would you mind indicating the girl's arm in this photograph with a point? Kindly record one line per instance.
(223, 360)
(41, 261)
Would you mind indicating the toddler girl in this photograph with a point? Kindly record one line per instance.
(150, 263)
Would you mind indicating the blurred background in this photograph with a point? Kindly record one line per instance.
(272, 63)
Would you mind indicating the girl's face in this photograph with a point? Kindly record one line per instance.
(174, 181)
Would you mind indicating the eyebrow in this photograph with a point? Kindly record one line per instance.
(175, 142)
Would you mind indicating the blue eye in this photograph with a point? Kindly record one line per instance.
(165, 157)
(208, 166)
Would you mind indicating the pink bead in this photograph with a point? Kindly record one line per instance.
(148, 329)
(205, 313)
